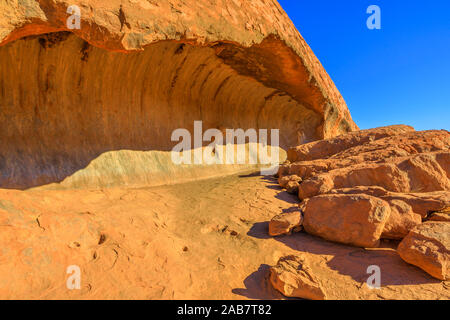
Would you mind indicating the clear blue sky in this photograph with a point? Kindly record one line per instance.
(397, 75)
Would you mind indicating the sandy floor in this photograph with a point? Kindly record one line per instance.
(199, 240)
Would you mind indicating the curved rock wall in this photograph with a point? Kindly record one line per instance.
(137, 70)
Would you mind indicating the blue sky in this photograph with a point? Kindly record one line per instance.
(397, 75)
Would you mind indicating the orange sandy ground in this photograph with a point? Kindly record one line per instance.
(200, 240)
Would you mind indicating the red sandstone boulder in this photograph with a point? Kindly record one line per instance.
(422, 203)
(285, 223)
(396, 158)
(294, 277)
(401, 220)
(357, 220)
(325, 148)
(291, 183)
(426, 172)
(428, 247)
(406, 169)
(407, 210)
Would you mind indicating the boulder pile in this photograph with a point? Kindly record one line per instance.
(384, 183)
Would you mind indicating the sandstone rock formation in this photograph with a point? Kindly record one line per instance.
(92, 110)
(290, 183)
(384, 157)
(286, 223)
(327, 148)
(357, 220)
(136, 71)
(406, 169)
(377, 184)
(401, 220)
(293, 277)
(428, 247)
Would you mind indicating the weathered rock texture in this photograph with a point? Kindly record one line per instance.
(383, 183)
(428, 247)
(350, 219)
(201, 240)
(293, 277)
(407, 170)
(137, 70)
(286, 223)
(290, 183)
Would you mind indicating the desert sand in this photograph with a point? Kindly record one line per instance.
(202, 240)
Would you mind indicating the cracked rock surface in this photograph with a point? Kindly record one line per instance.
(388, 183)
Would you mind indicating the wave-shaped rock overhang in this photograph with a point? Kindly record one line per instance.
(287, 61)
(137, 70)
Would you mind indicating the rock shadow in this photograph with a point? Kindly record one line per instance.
(353, 261)
(257, 286)
(259, 230)
(347, 260)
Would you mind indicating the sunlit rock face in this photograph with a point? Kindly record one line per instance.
(92, 111)
(97, 106)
